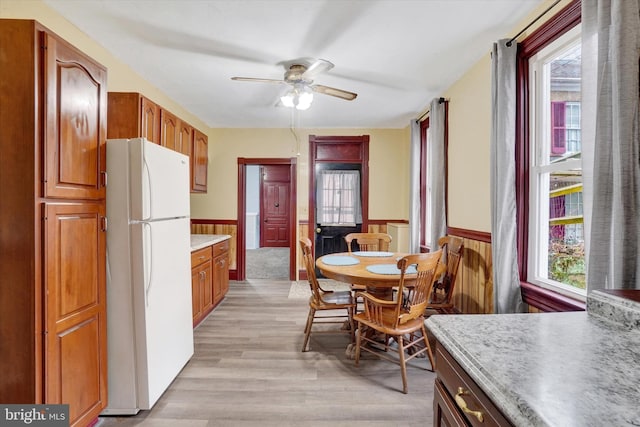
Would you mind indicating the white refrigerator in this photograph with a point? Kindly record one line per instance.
(149, 318)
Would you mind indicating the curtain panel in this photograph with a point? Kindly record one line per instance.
(436, 204)
(610, 52)
(414, 196)
(506, 283)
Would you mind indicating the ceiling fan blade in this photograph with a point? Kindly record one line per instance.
(319, 66)
(326, 90)
(251, 79)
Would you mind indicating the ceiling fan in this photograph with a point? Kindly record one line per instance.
(301, 77)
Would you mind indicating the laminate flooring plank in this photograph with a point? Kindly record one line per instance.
(248, 370)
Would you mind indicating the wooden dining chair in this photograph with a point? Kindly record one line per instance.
(399, 319)
(325, 301)
(442, 296)
(368, 241)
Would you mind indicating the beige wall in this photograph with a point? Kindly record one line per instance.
(469, 133)
(388, 168)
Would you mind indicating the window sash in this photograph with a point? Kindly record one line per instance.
(554, 127)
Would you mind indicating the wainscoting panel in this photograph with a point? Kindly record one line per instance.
(474, 285)
(210, 227)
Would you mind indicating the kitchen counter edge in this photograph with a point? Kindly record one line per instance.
(199, 241)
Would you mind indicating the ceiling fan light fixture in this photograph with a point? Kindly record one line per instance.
(300, 97)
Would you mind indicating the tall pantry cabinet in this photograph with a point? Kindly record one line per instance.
(53, 104)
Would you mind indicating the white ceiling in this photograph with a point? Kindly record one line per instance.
(396, 55)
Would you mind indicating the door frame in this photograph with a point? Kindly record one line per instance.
(242, 210)
(338, 149)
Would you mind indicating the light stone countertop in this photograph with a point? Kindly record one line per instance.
(199, 241)
(553, 369)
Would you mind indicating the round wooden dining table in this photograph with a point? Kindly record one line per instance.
(352, 268)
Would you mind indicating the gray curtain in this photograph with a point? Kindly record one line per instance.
(611, 38)
(506, 282)
(436, 169)
(414, 185)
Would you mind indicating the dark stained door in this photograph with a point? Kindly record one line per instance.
(275, 185)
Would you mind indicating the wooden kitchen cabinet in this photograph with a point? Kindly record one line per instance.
(53, 296)
(220, 271)
(209, 278)
(169, 130)
(201, 283)
(131, 115)
(199, 162)
(455, 390)
(185, 138)
(75, 280)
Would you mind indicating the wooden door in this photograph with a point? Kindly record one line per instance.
(75, 117)
(75, 300)
(149, 120)
(169, 130)
(199, 162)
(275, 185)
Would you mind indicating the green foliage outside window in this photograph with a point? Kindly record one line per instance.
(566, 263)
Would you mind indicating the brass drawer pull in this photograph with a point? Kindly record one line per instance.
(463, 405)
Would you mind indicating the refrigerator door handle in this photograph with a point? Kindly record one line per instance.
(147, 172)
(148, 265)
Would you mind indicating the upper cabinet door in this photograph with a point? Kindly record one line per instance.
(199, 162)
(185, 137)
(75, 100)
(149, 120)
(169, 130)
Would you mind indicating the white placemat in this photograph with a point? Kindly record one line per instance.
(389, 269)
(340, 260)
(373, 253)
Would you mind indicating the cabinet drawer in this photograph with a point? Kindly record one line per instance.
(220, 248)
(458, 382)
(200, 256)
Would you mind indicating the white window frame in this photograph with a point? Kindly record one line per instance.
(540, 167)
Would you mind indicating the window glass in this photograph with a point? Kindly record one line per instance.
(556, 239)
(338, 198)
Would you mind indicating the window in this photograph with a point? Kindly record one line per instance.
(549, 188)
(338, 198)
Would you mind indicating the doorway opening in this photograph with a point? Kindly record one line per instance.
(266, 218)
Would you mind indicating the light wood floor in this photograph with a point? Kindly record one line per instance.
(248, 370)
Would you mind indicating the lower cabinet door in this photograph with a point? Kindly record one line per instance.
(75, 356)
(207, 287)
(196, 291)
(201, 289)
